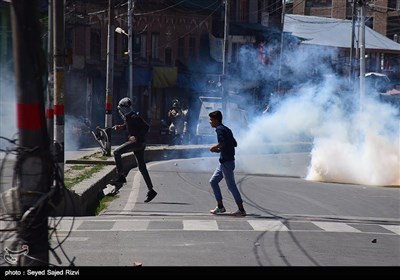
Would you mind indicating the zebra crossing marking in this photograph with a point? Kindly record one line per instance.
(393, 228)
(129, 225)
(205, 225)
(260, 225)
(335, 227)
(200, 225)
(66, 224)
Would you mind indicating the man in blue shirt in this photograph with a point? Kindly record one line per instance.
(226, 147)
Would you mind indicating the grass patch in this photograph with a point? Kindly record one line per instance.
(78, 167)
(86, 171)
(95, 156)
(103, 203)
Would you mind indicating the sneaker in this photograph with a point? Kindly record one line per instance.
(150, 195)
(218, 210)
(119, 180)
(238, 213)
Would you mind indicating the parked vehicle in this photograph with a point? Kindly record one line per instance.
(235, 118)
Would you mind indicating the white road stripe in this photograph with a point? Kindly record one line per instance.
(130, 204)
(262, 225)
(335, 227)
(130, 225)
(70, 238)
(199, 225)
(65, 224)
(394, 228)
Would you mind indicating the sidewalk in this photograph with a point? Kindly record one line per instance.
(85, 195)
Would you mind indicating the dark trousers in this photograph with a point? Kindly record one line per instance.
(138, 150)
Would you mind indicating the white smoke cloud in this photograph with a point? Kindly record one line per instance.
(76, 133)
(368, 152)
(349, 145)
(8, 123)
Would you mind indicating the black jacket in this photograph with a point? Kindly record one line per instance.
(136, 126)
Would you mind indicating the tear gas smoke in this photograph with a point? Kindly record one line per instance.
(348, 145)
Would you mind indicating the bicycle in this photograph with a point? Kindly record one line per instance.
(101, 137)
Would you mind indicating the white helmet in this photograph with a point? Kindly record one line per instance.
(124, 106)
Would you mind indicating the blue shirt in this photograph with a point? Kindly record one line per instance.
(227, 142)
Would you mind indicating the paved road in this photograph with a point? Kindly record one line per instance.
(290, 222)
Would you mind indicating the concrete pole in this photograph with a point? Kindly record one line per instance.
(110, 75)
(281, 48)
(362, 55)
(353, 34)
(224, 50)
(34, 162)
(50, 78)
(130, 49)
(59, 65)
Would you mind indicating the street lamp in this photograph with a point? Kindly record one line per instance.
(121, 31)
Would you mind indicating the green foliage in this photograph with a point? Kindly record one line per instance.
(85, 172)
(103, 203)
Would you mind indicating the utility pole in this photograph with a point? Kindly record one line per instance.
(224, 50)
(353, 35)
(281, 50)
(34, 161)
(50, 79)
(362, 54)
(110, 75)
(131, 6)
(59, 64)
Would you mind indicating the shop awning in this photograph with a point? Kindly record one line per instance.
(164, 77)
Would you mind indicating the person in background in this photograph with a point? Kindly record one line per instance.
(226, 147)
(177, 117)
(137, 129)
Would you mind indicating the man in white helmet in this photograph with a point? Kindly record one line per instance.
(137, 129)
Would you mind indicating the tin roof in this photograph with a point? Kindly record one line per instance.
(334, 32)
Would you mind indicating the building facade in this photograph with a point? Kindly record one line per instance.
(172, 50)
(176, 49)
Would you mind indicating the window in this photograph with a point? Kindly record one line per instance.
(235, 52)
(318, 3)
(117, 51)
(239, 10)
(168, 56)
(154, 45)
(136, 45)
(394, 4)
(95, 44)
(143, 45)
(181, 47)
(369, 22)
(192, 47)
(243, 10)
